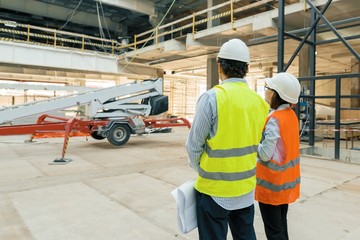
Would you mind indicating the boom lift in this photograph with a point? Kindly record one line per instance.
(113, 113)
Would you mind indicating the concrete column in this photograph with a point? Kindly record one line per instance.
(154, 21)
(82, 83)
(304, 66)
(78, 82)
(25, 96)
(122, 37)
(304, 63)
(120, 80)
(268, 72)
(212, 77)
(304, 70)
(215, 22)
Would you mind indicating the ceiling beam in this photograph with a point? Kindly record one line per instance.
(140, 69)
(37, 8)
(140, 6)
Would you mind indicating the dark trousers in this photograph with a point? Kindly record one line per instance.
(213, 220)
(275, 222)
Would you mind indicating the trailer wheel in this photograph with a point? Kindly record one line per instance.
(95, 135)
(119, 134)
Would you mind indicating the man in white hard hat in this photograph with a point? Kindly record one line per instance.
(222, 148)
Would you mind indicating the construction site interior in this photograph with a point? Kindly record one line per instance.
(97, 98)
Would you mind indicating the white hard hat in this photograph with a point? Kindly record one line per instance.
(286, 85)
(235, 49)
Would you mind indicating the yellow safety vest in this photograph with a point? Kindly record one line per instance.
(228, 164)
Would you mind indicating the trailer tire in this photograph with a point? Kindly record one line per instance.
(119, 134)
(95, 135)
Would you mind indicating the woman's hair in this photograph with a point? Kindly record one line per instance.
(276, 100)
(232, 68)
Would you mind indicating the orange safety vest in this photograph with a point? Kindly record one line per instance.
(279, 183)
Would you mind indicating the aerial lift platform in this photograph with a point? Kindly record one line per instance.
(113, 113)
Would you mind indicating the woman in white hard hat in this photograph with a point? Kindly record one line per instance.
(222, 146)
(278, 167)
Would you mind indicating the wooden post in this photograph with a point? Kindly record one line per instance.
(54, 39)
(156, 36)
(83, 42)
(232, 14)
(28, 34)
(193, 26)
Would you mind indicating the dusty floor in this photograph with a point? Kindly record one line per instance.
(124, 193)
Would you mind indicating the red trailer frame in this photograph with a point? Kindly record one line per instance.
(52, 126)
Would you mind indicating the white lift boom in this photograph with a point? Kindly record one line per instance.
(112, 102)
(113, 113)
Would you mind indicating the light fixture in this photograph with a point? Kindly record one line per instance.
(156, 61)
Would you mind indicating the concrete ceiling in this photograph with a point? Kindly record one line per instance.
(125, 18)
(120, 18)
(331, 58)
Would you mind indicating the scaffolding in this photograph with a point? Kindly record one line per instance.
(315, 17)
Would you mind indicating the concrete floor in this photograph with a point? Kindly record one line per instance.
(124, 193)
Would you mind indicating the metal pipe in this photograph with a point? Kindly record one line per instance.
(336, 32)
(337, 117)
(312, 72)
(281, 29)
(273, 38)
(336, 39)
(313, 25)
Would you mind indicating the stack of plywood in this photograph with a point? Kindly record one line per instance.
(349, 128)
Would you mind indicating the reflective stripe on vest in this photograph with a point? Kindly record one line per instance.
(278, 188)
(228, 163)
(234, 152)
(280, 168)
(227, 176)
(279, 183)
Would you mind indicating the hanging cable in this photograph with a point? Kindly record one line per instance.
(72, 15)
(99, 21)
(103, 15)
(152, 34)
(102, 35)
